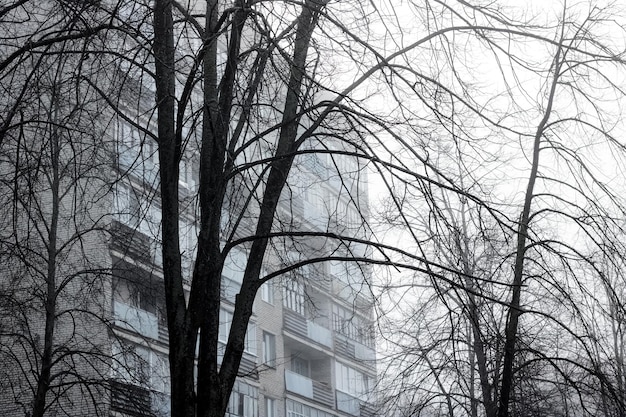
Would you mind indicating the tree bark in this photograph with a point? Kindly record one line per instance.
(181, 333)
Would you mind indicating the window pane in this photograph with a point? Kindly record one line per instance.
(267, 292)
(300, 366)
(250, 341)
(269, 407)
(269, 349)
(225, 319)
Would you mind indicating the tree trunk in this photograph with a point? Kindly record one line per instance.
(214, 388)
(181, 334)
(520, 254)
(43, 380)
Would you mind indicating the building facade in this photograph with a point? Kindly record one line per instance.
(310, 346)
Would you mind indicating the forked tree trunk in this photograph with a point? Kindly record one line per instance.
(201, 315)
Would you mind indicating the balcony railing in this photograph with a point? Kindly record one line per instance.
(353, 294)
(136, 320)
(348, 404)
(363, 352)
(248, 367)
(138, 401)
(354, 350)
(306, 387)
(299, 325)
(320, 334)
(164, 334)
(368, 410)
(299, 384)
(130, 399)
(130, 241)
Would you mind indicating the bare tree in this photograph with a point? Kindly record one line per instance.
(54, 346)
(234, 99)
(546, 238)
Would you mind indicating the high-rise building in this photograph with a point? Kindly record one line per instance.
(310, 348)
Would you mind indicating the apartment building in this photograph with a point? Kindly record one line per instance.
(310, 348)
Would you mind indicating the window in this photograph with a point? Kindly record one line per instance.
(160, 373)
(351, 381)
(140, 366)
(270, 407)
(350, 325)
(269, 349)
(130, 363)
(188, 243)
(267, 292)
(129, 138)
(296, 409)
(189, 172)
(300, 366)
(226, 318)
(250, 342)
(151, 221)
(188, 237)
(294, 296)
(127, 207)
(229, 289)
(352, 216)
(315, 209)
(235, 265)
(132, 286)
(243, 401)
(137, 153)
(338, 270)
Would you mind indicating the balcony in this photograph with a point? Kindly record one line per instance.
(142, 167)
(299, 325)
(136, 320)
(248, 367)
(355, 350)
(354, 294)
(138, 401)
(130, 241)
(348, 404)
(306, 387)
(354, 406)
(164, 333)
